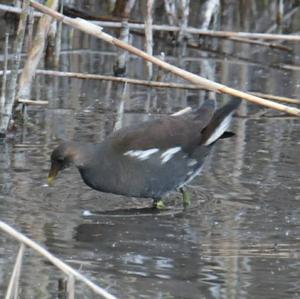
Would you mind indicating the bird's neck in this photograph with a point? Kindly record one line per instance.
(85, 155)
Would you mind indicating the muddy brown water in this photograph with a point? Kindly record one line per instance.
(239, 239)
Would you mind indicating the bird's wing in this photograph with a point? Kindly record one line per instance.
(166, 133)
(161, 134)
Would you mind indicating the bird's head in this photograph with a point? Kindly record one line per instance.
(61, 158)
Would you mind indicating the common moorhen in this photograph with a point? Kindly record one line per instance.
(148, 159)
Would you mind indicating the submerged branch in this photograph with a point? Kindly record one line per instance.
(146, 83)
(260, 43)
(151, 84)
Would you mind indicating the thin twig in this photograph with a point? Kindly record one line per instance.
(210, 11)
(19, 268)
(122, 57)
(31, 102)
(276, 98)
(119, 67)
(149, 36)
(3, 89)
(279, 12)
(120, 111)
(13, 283)
(290, 67)
(261, 43)
(30, 28)
(57, 47)
(170, 7)
(184, 11)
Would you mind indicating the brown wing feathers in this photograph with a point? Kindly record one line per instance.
(187, 131)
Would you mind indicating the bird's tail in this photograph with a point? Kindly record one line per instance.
(220, 122)
(205, 112)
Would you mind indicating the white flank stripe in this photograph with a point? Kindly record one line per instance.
(141, 155)
(223, 126)
(168, 154)
(192, 162)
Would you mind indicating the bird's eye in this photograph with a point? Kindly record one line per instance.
(60, 159)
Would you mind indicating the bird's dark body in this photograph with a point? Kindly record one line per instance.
(127, 175)
(152, 158)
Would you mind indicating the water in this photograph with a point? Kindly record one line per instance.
(240, 238)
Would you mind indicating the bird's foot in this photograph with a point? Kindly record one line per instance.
(158, 204)
(186, 198)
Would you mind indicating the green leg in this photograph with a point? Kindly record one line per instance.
(158, 204)
(186, 198)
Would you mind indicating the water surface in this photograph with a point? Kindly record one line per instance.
(240, 238)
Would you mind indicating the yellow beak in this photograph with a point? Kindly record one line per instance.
(52, 174)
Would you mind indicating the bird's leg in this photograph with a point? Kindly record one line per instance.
(186, 198)
(158, 204)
